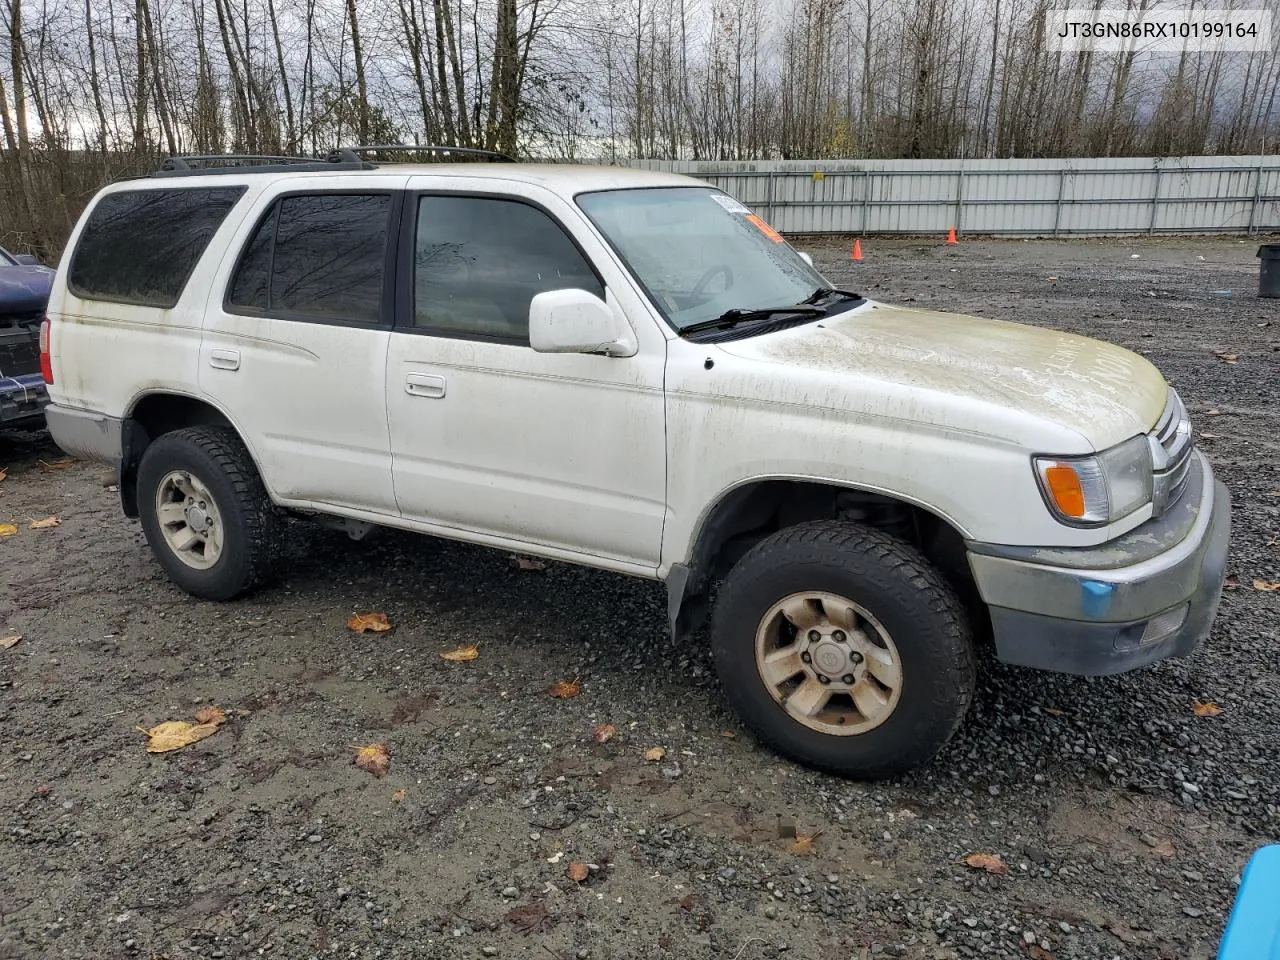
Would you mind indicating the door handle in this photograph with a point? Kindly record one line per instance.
(224, 359)
(424, 385)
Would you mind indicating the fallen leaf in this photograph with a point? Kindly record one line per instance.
(803, 844)
(1205, 708)
(1266, 586)
(7, 529)
(605, 732)
(1053, 711)
(988, 862)
(46, 523)
(1163, 849)
(728, 734)
(526, 563)
(1232, 582)
(7, 642)
(565, 689)
(461, 654)
(3, 474)
(577, 872)
(43, 790)
(175, 734)
(56, 464)
(1226, 357)
(213, 715)
(1037, 952)
(368, 623)
(373, 759)
(399, 795)
(1207, 436)
(654, 754)
(530, 918)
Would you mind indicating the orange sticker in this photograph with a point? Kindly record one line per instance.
(764, 228)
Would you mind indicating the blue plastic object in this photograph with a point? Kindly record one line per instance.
(1253, 929)
(1096, 598)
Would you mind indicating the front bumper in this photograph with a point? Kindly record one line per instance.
(1150, 594)
(22, 399)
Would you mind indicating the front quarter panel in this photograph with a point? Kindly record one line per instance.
(733, 421)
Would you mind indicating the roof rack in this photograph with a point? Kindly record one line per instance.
(220, 163)
(352, 154)
(343, 158)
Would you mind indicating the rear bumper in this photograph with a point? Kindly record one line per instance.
(22, 399)
(86, 434)
(1143, 597)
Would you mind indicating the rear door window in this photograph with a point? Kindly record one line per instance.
(141, 246)
(320, 257)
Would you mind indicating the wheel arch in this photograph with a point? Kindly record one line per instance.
(748, 512)
(155, 413)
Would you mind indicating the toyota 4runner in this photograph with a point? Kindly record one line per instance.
(632, 371)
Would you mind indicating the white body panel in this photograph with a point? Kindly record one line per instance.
(559, 450)
(307, 397)
(610, 461)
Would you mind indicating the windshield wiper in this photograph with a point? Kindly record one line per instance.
(736, 315)
(826, 293)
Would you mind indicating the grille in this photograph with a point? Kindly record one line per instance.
(1171, 447)
(19, 344)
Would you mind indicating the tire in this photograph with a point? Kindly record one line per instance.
(233, 504)
(814, 574)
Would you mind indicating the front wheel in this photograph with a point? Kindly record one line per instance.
(844, 649)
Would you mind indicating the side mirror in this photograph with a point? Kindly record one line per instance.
(575, 321)
(26, 260)
(805, 257)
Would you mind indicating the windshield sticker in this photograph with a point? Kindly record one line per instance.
(764, 228)
(730, 204)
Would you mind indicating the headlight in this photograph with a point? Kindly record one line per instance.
(1103, 488)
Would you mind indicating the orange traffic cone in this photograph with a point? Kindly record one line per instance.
(951, 237)
(856, 256)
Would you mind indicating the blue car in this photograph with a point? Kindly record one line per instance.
(24, 291)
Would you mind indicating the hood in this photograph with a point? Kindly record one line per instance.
(1103, 392)
(24, 289)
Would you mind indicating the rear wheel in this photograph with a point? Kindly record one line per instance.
(206, 513)
(843, 648)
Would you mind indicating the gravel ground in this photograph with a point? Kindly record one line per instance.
(1124, 819)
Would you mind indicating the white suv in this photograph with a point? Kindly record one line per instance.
(630, 370)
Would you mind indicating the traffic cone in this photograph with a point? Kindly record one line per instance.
(856, 256)
(951, 237)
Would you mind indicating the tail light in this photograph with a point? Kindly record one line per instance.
(46, 363)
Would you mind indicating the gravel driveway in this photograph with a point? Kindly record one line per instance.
(1123, 817)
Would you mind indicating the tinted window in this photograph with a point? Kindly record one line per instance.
(478, 262)
(140, 246)
(249, 285)
(318, 257)
(329, 257)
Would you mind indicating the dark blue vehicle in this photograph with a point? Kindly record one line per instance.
(24, 291)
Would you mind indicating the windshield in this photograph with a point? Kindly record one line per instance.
(698, 252)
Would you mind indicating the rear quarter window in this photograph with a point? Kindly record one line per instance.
(140, 246)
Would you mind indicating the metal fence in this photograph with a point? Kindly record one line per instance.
(1067, 197)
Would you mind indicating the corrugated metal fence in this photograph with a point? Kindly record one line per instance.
(1067, 197)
